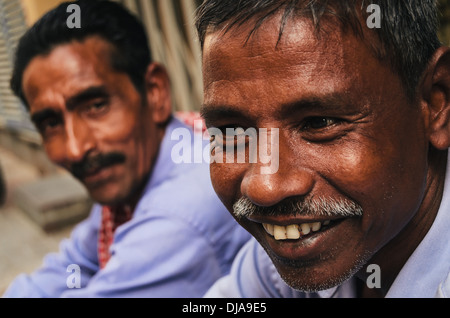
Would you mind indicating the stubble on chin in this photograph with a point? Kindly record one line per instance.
(305, 276)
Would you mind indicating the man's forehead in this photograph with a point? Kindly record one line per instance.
(245, 36)
(74, 55)
(300, 43)
(232, 56)
(284, 35)
(69, 68)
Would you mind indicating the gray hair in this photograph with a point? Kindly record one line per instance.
(298, 206)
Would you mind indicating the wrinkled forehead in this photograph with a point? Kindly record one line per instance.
(245, 38)
(285, 34)
(299, 37)
(231, 54)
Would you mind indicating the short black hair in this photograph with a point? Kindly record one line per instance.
(109, 20)
(407, 36)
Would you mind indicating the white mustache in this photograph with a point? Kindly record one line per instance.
(296, 206)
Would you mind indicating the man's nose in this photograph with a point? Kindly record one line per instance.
(79, 139)
(289, 180)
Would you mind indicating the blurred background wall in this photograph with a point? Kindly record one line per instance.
(444, 33)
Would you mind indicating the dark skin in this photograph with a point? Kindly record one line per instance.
(83, 107)
(347, 131)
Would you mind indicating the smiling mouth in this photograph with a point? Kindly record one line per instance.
(297, 231)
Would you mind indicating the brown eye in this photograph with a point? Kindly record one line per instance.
(319, 122)
(48, 125)
(97, 107)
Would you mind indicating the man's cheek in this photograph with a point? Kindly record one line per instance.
(226, 178)
(56, 152)
(356, 164)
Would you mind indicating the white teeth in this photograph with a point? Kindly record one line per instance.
(268, 228)
(279, 232)
(293, 231)
(315, 226)
(305, 228)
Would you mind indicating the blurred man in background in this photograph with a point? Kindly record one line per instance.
(103, 109)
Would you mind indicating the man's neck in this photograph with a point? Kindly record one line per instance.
(132, 201)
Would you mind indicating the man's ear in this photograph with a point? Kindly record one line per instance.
(158, 93)
(436, 89)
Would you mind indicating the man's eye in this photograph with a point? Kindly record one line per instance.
(48, 125)
(231, 136)
(96, 107)
(319, 122)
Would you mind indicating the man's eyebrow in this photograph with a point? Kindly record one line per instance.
(213, 113)
(86, 95)
(331, 102)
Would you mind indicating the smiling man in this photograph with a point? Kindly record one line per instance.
(363, 118)
(103, 109)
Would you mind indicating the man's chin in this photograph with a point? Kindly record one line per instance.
(309, 281)
(106, 195)
(317, 275)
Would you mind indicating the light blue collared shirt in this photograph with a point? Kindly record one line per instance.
(426, 274)
(180, 240)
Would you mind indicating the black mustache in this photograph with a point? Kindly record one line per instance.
(93, 163)
(296, 206)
